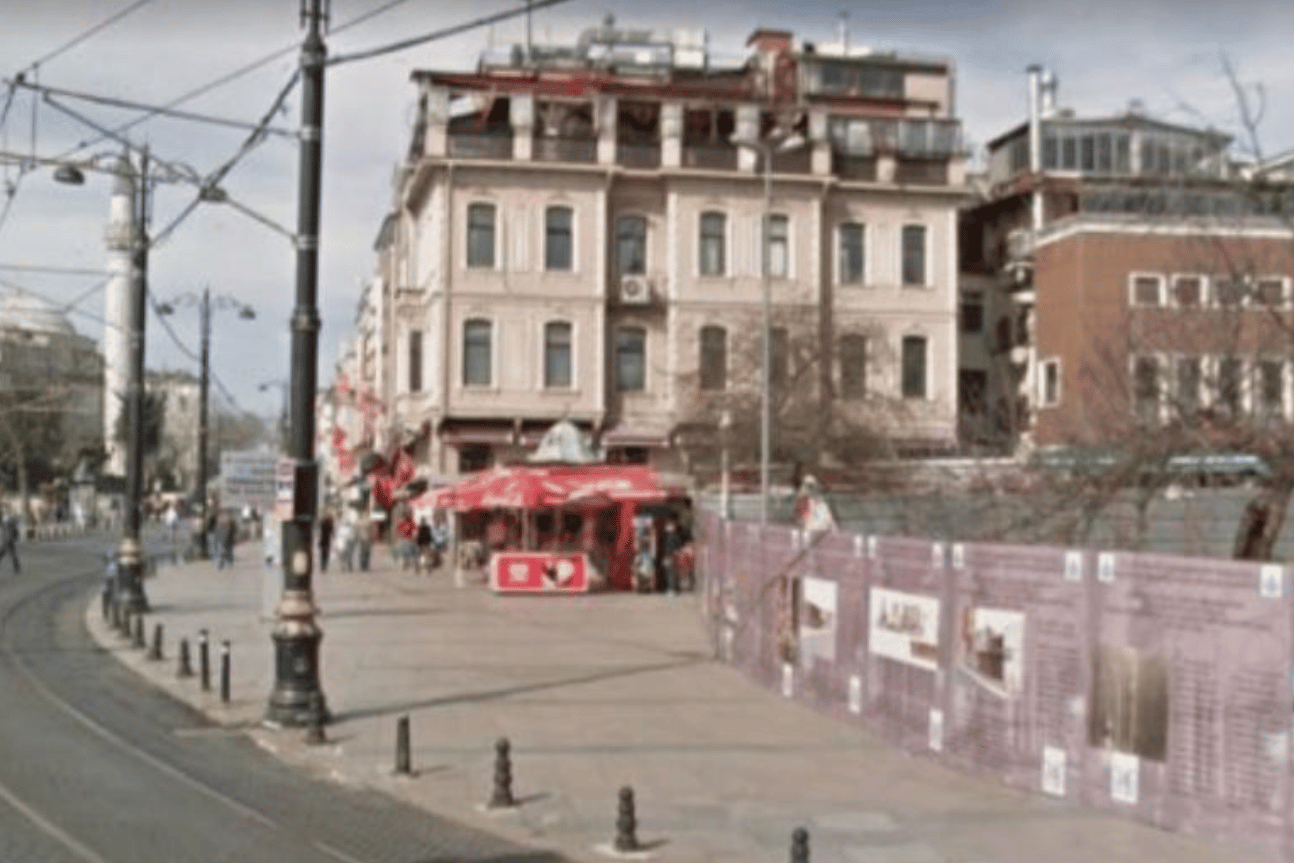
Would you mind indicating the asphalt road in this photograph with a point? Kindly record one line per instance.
(98, 767)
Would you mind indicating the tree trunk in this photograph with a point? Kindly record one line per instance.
(1261, 523)
(20, 461)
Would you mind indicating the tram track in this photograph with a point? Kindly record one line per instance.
(103, 756)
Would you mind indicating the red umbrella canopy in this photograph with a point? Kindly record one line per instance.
(521, 487)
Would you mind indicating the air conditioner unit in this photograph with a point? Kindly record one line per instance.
(1019, 244)
(635, 290)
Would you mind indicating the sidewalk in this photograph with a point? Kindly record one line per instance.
(594, 693)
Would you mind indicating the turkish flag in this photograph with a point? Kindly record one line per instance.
(403, 468)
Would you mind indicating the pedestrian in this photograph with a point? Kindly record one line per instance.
(325, 540)
(422, 538)
(172, 518)
(346, 539)
(223, 538)
(406, 532)
(364, 538)
(671, 542)
(9, 531)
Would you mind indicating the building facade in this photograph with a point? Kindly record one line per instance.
(1120, 274)
(579, 233)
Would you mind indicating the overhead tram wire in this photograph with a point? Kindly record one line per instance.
(220, 81)
(77, 40)
(444, 32)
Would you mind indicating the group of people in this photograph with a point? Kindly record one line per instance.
(421, 545)
(660, 564)
(350, 537)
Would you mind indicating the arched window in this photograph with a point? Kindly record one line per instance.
(714, 358)
(478, 354)
(631, 245)
(712, 243)
(559, 243)
(480, 235)
(631, 359)
(557, 354)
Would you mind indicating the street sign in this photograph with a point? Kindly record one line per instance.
(247, 479)
(285, 485)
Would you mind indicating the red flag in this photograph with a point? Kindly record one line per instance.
(383, 491)
(403, 468)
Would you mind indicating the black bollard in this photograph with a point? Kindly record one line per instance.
(224, 672)
(114, 617)
(138, 635)
(402, 763)
(186, 668)
(799, 845)
(155, 652)
(105, 602)
(204, 660)
(626, 822)
(501, 797)
(123, 628)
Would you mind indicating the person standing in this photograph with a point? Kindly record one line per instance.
(9, 531)
(364, 538)
(346, 541)
(226, 537)
(325, 540)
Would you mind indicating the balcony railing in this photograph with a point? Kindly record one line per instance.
(794, 162)
(565, 150)
(853, 167)
(721, 157)
(480, 146)
(921, 172)
(638, 155)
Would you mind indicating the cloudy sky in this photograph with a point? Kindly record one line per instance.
(1166, 53)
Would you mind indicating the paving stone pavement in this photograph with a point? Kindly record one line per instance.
(596, 692)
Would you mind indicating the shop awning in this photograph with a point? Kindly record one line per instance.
(551, 487)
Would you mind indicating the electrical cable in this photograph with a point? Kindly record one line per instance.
(443, 33)
(102, 25)
(372, 13)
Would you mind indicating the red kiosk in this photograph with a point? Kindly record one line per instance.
(557, 528)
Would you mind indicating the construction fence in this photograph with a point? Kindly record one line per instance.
(1152, 685)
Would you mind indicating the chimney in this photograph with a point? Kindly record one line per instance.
(1035, 143)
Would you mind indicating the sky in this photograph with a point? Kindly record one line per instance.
(1168, 54)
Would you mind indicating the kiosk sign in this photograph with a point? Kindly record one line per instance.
(538, 572)
(247, 479)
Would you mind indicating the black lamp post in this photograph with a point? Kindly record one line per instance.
(297, 698)
(205, 305)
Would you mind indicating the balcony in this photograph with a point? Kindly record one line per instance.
(565, 150)
(638, 155)
(921, 172)
(799, 161)
(714, 157)
(849, 167)
(462, 146)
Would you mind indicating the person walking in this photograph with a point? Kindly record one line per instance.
(671, 542)
(364, 539)
(325, 540)
(9, 531)
(346, 541)
(406, 534)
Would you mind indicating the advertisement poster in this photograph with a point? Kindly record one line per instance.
(991, 649)
(904, 627)
(536, 572)
(818, 620)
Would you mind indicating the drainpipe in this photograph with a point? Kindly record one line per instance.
(1035, 147)
(447, 281)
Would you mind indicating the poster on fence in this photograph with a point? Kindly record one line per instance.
(904, 627)
(991, 650)
(818, 620)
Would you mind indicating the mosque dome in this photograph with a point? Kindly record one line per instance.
(31, 313)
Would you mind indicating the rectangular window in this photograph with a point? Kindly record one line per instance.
(1270, 292)
(1069, 153)
(852, 253)
(1188, 385)
(1231, 385)
(779, 356)
(477, 353)
(914, 255)
(1050, 156)
(558, 241)
(1104, 153)
(1122, 156)
(473, 457)
(714, 358)
(853, 366)
(1087, 153)
(972, 312)
(631, 245)
(557, 354)
(779, 246)
(1271, 389)
(1228, 293)
(631, 359)
(914, 367)
(480, 235)
(714, 227)
(1145, 389)
(415, 361)
(1147, 290)
(1188, 292)
(1050, 383)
